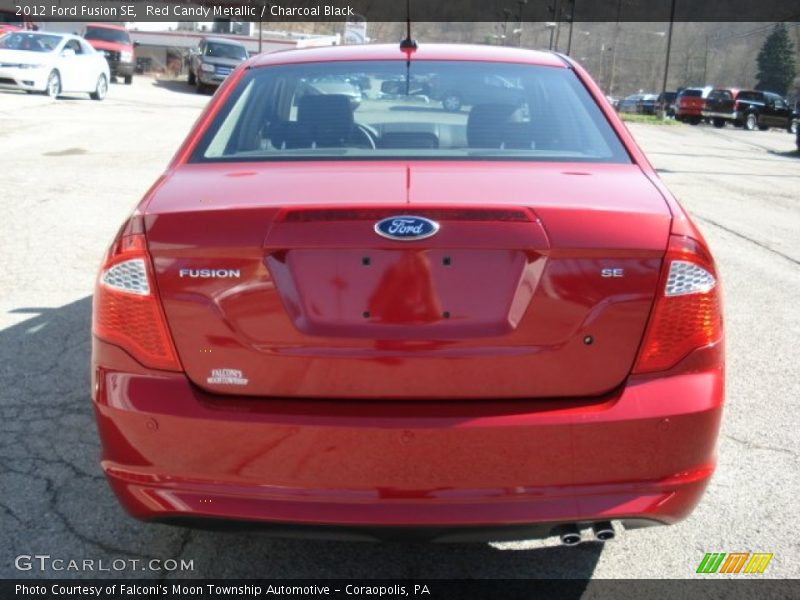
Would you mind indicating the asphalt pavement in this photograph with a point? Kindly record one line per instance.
(74, 168)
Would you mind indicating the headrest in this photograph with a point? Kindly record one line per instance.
(328, 118)
(496, 126)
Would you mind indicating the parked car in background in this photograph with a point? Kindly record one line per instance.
(52, 63)
(761, 110)
(114, 42)
(213, 60)
(629, 104)
(648, 105)
(466, 89)
(720, 107)
(399, 321)
(666, 103)
(690, 104)
(331, 84)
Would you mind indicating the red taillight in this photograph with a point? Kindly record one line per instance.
(687, 313)
(126, 307)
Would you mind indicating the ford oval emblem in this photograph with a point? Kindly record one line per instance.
(406, 228)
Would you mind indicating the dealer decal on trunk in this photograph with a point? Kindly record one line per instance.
(227, 377)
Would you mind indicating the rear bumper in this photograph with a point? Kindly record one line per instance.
(172, 452)
(728, 116)
(689, 111)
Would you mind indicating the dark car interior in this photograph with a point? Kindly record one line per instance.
(273, 117)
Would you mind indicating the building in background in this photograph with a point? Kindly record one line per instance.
(163, 47)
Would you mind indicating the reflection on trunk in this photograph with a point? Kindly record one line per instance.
(405, 293)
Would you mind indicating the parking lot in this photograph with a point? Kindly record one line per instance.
(74, 168)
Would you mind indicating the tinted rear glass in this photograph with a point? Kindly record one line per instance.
(720, 96)
(436, 110)
(756, 96)
(692, 93)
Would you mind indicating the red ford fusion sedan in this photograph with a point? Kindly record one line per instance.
(394, 319)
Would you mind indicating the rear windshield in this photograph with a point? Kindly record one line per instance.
(693, 93)
(226, 51)
(428, 109)
(720, 95)
(103, 34)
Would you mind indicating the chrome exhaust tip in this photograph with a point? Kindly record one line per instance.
(570, 535)
(604, 531)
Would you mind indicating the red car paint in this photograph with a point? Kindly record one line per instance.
(519, 387)
(690, 107)
(115, 43)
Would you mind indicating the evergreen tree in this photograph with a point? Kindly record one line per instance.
(776, 66)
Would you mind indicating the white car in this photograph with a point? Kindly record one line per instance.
(52, 63)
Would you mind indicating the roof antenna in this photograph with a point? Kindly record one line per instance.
(408, 44)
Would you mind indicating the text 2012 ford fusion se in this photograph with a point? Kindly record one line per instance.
(390, 319)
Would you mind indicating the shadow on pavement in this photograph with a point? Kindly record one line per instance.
(175, 85)
(58, 503)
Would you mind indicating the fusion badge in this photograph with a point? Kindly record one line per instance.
(406, 228)
(210, 273)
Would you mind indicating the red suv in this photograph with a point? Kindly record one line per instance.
(690, 105)
(387, 318)
(115, 42)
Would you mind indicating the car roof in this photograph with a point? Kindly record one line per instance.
(219, 40)
(107, 26)
(447, 52)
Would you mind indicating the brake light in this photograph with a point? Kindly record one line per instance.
(127, 311)
(687, 313)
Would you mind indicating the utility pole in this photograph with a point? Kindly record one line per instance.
(507, 14)
(553, 13)
(571, 25)
(666, 61)
(614, 49)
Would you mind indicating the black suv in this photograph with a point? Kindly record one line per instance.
(721, 107)
(763, 110)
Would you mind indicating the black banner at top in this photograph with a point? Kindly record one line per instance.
(395, 10)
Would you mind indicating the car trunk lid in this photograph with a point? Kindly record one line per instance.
(539, 282)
